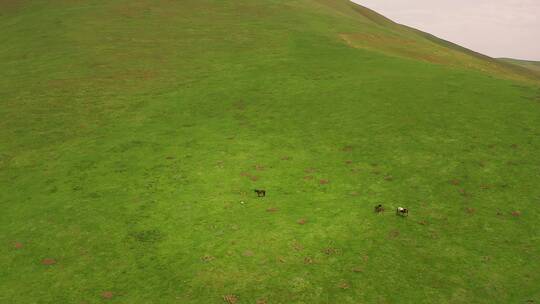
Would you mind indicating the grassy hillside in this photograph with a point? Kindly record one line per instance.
(531, 65)
(132, 135)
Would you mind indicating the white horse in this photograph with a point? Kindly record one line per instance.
(402, 211)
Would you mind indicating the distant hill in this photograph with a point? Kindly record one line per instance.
(134, 133)
(531, 65)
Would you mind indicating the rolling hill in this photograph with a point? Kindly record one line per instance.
(133, 133)
(531, 65)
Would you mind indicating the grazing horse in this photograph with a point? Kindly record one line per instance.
(260, 192)
(402, 211)
(379, 208)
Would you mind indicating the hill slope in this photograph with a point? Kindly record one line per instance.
(531, 65)
(132, 135)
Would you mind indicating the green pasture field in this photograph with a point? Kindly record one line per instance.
(133, 133)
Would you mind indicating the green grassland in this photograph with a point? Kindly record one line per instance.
(132, 135)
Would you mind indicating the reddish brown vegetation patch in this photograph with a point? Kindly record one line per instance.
(259, 167)
(107, 294)
(516, 213)
(455, 182)
(230, 299)
(355, 193)
(423, 222)
(357, 269)
(273, 209)
(48, 261)
(302, 221)
(18, 245)
(248, 253)
(344, 285)
(245, 174)
(310, 170)
(261, 301)
(324, 181)
(348, 162)
(471, 210)
(254, 178)
(308, 177)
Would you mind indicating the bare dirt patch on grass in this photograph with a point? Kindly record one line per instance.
(48, 261)
(207, 258)
(455, 182)
(344, 285)
(308, 177)
(297, 246)
(331, 251)
(324, 181)
(302, 221)
(470, 210)
(516, 213)
(107, 295)
(309, 260)
(230, 299)
(272, 209)
(18, 245)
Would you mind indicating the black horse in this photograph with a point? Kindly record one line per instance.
(260, 192)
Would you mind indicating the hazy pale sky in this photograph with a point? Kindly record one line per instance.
(497, 28)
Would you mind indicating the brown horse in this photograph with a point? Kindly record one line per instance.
(379, 208)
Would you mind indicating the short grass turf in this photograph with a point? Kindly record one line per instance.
(133, 133)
